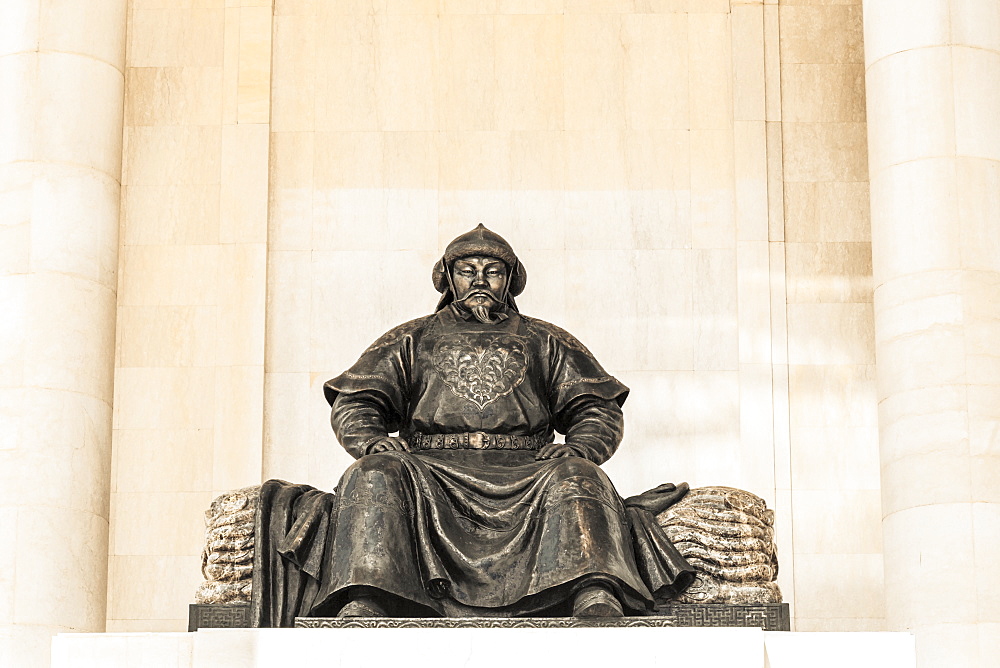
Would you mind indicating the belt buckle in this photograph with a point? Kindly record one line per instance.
(477, 440)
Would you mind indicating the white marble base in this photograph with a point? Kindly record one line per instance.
(484, 648)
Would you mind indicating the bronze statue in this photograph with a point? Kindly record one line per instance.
(471, 510)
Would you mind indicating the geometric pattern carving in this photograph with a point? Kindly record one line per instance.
(474, 622)
(767, 616)
(218, 616)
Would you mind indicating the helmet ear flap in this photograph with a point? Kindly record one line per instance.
(518, 279)
(439, 275)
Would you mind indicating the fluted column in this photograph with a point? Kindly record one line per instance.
(61, 89)
(933, 85)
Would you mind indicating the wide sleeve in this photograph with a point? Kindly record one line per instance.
(592, 425)
(585, 400)
(370, 400)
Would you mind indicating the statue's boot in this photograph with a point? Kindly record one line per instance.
(596, 601)
(363, 606)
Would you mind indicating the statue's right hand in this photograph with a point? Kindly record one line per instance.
(389, 443)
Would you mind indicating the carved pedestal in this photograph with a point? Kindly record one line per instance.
(770, 617)
(217, 616)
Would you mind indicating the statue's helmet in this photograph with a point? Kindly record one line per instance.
(483, 242)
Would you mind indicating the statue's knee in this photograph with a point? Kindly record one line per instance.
(383, 467)
(579, 480)
(577, 467)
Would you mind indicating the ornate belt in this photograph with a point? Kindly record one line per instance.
(476, 440)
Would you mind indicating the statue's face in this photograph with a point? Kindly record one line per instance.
(479, 281)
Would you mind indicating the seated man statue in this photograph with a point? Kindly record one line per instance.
(472, 510)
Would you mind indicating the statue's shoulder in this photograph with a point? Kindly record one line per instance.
(400, 332)
(558, 333)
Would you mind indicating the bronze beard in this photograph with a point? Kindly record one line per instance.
(481, 312)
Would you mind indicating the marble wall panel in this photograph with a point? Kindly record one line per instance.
(830, 211)
(657, 87)
(65, 601)
(287, 433)
(827, 330)
(711, 78)
(243, 192)
(978, 208)
(467, 48)
(8, 562)
(176, 37)
(167, 335)
(885, 34)
(757, 455)
(713, 200)
(750, 170)
(66, 201)
(820, 516)
(528, 66)
(920, 84)
(163, 460)
(681, 426)
(830, 92)
(952, 549)
(76, 424)
(829, 272)
(842, 145)
(295, 65)
(20, 30)
(177, 275)
(189, 378)
(833, 459)
(173, 95)
(821, 33)
(530, 6)
(181, 215)
(253, 70)
(133, 595)
(748, 51)
(986, 523)
(179, 531)
(18, 71)
(754, 302)
(239, 415)
(290, 197)
(89, 136)
(839, 586)
(715, 304)
(975, 24)
(47, 363)
(593, 78)
(15, 230)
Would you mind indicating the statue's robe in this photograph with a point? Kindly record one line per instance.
(451, 528)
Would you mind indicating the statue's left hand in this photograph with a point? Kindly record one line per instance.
(389, 443)
(555, 450)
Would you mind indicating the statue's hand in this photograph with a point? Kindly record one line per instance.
(555, 450)
(659, 498)
(389, 443)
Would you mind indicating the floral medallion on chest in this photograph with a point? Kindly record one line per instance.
(481, 369)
